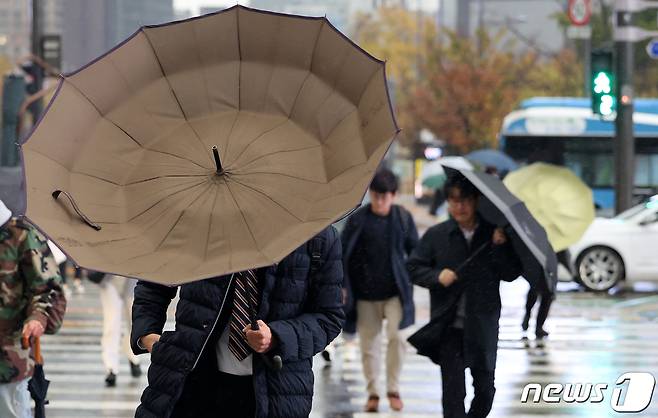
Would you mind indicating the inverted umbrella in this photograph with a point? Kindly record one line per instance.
(557, 198)
(500, 207)
(208, 146)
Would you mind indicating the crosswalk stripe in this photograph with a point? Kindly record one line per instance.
(593, 346)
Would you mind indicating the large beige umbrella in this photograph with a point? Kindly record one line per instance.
(557, 198)
(300, 116)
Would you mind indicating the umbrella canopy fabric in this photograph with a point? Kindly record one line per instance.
(299, 114)
(557, 198)
(493, 158)
(433, 175)
(500, 207)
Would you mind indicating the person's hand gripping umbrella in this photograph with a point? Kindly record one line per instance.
(273, 363)
(38, 384)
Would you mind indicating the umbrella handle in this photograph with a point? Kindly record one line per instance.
(36, 346)
(77, 210)
(273, 363)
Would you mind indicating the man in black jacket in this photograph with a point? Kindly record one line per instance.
(214, 364)
(465, 297)
(377, 240)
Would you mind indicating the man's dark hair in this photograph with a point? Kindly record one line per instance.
(384, 181)
(461, 183)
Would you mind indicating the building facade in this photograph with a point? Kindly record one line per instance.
(337, 11)
(15, 29)
(92, 27)
(530, 23)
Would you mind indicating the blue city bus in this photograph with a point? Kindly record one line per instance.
(564, 131)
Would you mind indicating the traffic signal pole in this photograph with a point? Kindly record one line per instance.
(624, 146)
(626, 34)
(37, 13)
(588, 66)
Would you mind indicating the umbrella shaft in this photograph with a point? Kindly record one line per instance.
(218, 162)
(468, 261)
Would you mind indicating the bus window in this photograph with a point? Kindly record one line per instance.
(653, 166)
(642, 172)
(595, 169)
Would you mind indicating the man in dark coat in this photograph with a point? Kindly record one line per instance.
(211, 367)
(465, 301)
(377, 240)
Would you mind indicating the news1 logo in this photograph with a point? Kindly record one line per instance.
(632, 392)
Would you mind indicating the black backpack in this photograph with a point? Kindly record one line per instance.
(315, 248)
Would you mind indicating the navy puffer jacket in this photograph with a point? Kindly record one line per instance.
(303, 316)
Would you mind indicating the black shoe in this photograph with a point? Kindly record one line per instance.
(524, 324)
(326, 356)
(135, 369)
(111, 380)
(540, 333)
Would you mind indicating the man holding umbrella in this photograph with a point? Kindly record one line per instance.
(462, 262)
(219, 362)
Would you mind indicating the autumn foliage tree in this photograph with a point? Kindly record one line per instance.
(469, 86)
(399, 37)
(460, 88)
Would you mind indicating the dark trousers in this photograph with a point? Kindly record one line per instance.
(451, 355)
(564, 258)
(214, 394)
(544, 308)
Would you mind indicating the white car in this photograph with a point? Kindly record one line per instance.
(619, 249)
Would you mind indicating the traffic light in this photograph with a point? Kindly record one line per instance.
(602, 83)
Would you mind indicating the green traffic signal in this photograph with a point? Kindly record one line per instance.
(603, 83)
(607, 106)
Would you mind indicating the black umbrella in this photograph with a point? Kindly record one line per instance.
(38, 384)
(500, 207)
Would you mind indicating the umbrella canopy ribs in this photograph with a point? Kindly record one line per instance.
(208, 146)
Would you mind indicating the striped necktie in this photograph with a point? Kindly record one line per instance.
(245, 290)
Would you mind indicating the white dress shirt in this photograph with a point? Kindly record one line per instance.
(226, 360)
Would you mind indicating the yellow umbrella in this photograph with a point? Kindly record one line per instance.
(557, 198)
(208, 146)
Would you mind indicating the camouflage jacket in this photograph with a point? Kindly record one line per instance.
(30, 288)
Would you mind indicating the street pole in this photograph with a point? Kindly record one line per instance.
(463, 18)
(588, 66)
(37, 14)
(624, 136)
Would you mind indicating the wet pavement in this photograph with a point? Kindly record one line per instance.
(594, 338)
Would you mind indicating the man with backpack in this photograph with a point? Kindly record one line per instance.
(244, 343)
(377, 239)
